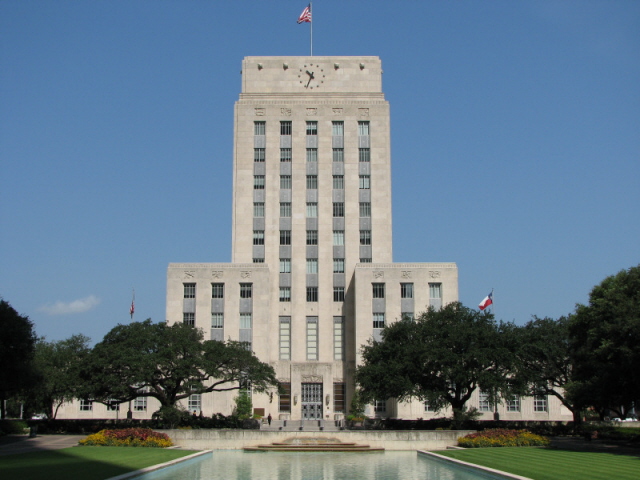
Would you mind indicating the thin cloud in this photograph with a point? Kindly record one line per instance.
(77, 306)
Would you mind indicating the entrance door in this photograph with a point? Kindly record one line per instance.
(311, 401)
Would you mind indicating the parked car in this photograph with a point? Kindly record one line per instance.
(39, 416)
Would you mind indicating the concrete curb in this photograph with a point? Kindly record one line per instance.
(493, 471)
(159, 466)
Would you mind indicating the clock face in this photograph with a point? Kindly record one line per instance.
(311, 76)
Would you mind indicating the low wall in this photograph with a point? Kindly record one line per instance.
(388, 439)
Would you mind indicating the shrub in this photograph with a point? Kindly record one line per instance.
(12, 427)
(501, 437)
(128, 437)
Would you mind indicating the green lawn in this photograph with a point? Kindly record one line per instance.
(84, 463)
(551, 464)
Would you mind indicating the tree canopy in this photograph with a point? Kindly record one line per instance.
(544, 359)
(17, 346)
(605, 340)
(58, 365)
(442, 357)
(169, 363)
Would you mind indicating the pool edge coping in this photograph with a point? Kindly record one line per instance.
(473, 465)
(153, 468)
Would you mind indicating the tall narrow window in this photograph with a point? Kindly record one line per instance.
(285, 265)
(258, 209)
(435, 295)
(380, 406)
(338, 154)
(406, 290)
(312, 210)
(86, 405)
(338, 294)
(259, 128)
(258, 155)
(285, 155)
(285, 338)
(378, 290)
(338, 397)
(189, 318)
(217, 290)
(285, 294)
(285, 128)
(378, 320)
(312, 294)
(484, 403)
(365, 237)
(258, 182)
(189, 290)
(513, 403)
(364, 155)
(312, 154)
(312, 265)
(312, 338)
(338, 182)
(285, 182)
(338, 338)
(312, 182)
(258, 237)
(217, 320)
(195, 402)
(365, 210)
(338, 209)
(285, 237)
(258, 260)
(338, 265)
(285, 209)
(363, 129)
(337, 129)
(338, 238)
(312, 128)
(246, 290)
(365, 183)
(312, 237)
(284, 405)
(245, 320)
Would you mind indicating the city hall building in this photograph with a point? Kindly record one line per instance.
(312, 277)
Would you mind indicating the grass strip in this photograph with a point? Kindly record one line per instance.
(87, 463)
(552, 464)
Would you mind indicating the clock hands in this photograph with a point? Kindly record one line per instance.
(311, 77)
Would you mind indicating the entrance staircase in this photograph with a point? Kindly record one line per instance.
(313, 445)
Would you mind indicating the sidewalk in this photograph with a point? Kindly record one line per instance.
(15, 444)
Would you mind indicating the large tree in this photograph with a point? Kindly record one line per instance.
(545, 365)
(58, 366)
(17, 344)
(605, 339)
(442, 357)
(169, 363)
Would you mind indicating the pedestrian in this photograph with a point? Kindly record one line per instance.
(269, 419)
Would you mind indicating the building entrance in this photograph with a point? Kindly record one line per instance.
(311, 401)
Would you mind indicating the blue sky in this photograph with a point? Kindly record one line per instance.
(515, 143)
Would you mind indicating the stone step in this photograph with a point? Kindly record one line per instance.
(312, 448)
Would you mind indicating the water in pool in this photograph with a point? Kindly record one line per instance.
(239, 465)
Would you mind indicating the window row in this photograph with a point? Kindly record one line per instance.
(406, 290)
(311, 155)
(311, 336)
(286, 128)
(364, 182)
(312, 237)
(312, 209)
(217, 290)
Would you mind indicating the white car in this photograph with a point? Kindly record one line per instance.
(39, 416)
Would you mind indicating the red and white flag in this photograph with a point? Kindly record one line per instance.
(305, 16)
(486, 301)
(132, 308)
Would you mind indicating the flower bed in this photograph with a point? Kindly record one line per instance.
(128, 437)
(502, 437)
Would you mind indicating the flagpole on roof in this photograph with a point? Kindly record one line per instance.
(311, 27)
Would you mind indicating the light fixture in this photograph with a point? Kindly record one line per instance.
(362, 66)
(285, 65)
(336, 66)
(259, 66)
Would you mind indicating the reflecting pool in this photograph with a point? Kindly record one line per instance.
(239, 465)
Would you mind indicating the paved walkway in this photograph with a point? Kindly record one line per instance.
(14, 444)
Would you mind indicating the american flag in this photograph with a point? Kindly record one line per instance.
(305, 16)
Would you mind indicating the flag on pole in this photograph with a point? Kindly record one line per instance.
(488, 300)
(132, 308)
(305, 16)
